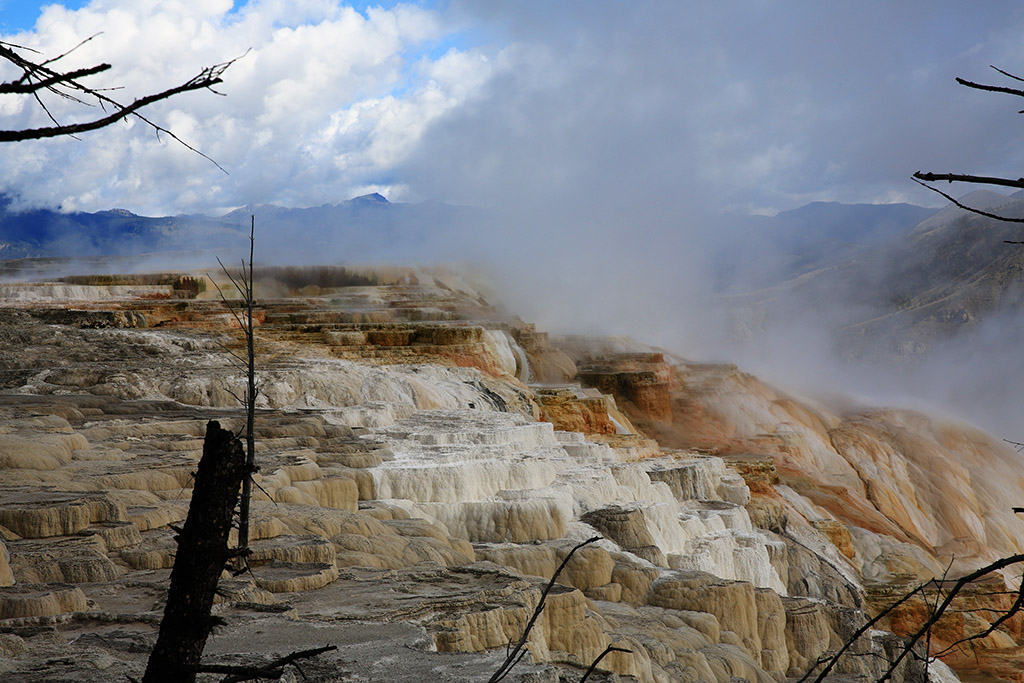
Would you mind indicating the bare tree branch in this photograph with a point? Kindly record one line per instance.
(20, 87)
(920, 176)
(38, 77)
(830, 662)
(517, 652)
(937, 613)
(1017, 605)
(593, 665)
(207, 77)
(963, 206)
(965, 178)
(1006, 73)
(274, 669)
(991, 88)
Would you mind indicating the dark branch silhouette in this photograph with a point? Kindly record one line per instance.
(244, 284)
(272, 670)
(992, 88)
(516, 653)
(965, 207)
(202, 554)
(965, 178)
(607, 650)
(37, 77)
(831, 661)
(942, 606)
(923, 177)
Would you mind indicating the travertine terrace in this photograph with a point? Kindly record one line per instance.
(426, 462)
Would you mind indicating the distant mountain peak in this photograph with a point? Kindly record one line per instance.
(372, 198)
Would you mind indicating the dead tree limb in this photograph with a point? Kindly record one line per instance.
(38, 77)
(272, 670)
(244, 284)
(937, 613)
(250, 400)
(831, 661)
(202, 554)
(593, 664)
(991, 88)
(941, 608)
(1016, 607)
(967, 178)
(923, 177)
(959, 204)
(516, 653)
(23, 88)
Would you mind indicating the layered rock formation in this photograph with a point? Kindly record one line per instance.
(415, 481)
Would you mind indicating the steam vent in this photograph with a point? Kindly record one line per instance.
(426, 463)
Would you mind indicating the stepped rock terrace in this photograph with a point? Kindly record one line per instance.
(426, 463)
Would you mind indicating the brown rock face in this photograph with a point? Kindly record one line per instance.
(572, 413)
(548, 363)
(838, 534)
(642, 380)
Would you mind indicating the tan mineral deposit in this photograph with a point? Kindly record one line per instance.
(426, 463)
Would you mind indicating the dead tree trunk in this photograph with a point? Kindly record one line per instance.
(202, 554)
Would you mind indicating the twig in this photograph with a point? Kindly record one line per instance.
(963, 581)
(1006, 73)
(274, 669)
(991, 88)
(831, 662)
(593, 665)
(933, 176)
(39, 77)
(1009, 613)
(517, 652)
(207, 77)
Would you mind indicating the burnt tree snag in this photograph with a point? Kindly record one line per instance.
(202, 554)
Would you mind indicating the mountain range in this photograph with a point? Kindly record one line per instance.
(901, 294)
(364, 227)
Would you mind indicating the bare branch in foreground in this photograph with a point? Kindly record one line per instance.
(967, 178)
(832, 661)
(1006, 73)
(272, 670)
(937, 612)
(991, 88)
(607, 650)
(517, 652)
(38, 77)
(1005, 219)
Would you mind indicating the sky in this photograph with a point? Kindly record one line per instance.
(753, 106)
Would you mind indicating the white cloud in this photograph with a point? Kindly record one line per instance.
(699, 105)
(308, 118)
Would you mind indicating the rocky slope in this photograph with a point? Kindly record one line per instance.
(904, 297)
(426, 463)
